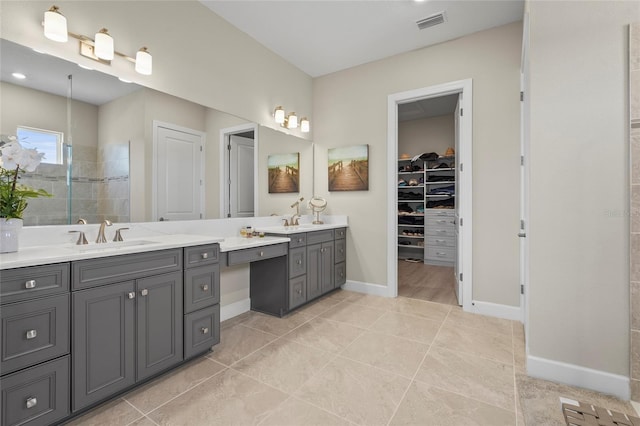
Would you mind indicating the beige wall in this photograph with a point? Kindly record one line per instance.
(350, 107)
(634, 78)
(433, 134)
(197, 55)
(579, 232)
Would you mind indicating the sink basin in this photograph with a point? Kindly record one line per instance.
(111, 245)
(289, 229)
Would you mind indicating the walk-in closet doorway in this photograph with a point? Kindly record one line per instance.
(424, 183)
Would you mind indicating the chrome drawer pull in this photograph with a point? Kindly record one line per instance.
(144, 292)
(205, 255)
(441, 253)
(30, 284)
(32, 334)
(131, 295)
(204, 287)
(299, 262)
(31, 402)
(204, 330)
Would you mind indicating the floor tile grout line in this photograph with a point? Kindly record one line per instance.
(188, 390)
(472, 354)
(404, 395)
(135, 408)
(323, 409)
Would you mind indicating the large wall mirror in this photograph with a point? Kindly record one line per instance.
(104, 164)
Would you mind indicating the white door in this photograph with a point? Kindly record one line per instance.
(241, 174)
(457, 119)
(179, 180)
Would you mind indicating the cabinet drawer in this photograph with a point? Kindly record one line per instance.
(341, 251)
(297, 261)
(201, 287)
(297, 240)
(106, 270)
(319, 236)
(440, 242)
(439, 231)
(201, 255)
(37, 395)
(340, 233)
(34, 331)
(445, 254)
(27, 283)
(257, 253)
(297, 291)
(429, 213)
(442, 222)
(340, 274)
(201, 330)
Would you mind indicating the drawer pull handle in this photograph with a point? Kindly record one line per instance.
(144, 292)
(30, 284)
(131, 295)
(261, 253)
(204, 287)
(31, 402)
(439, 253)
(32, 334)
(439, 241)
(441, 221)
(204, 330)
(205, 255)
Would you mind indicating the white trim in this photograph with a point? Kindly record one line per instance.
(154, 164)
(513, 313)
(465, 87)
(636, 406)
(234, 309)
(224, 161)
(575, 375)
(367, 288)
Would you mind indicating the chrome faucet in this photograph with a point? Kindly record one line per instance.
(295, 218)
(82, 221)
(101, 237)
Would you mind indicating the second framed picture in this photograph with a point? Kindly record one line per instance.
(349, 168)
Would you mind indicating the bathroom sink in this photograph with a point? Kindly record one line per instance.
(115, 245)
(291, 229)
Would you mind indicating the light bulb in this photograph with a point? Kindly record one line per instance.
(304, 125)
(104, 45)
(55, 25)
(278, 115)
(144, 62)
(292, 121)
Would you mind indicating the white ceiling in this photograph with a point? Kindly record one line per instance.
(323, 36)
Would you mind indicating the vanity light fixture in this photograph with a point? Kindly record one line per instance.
(290, 121)
(100, 49)
(55, 25)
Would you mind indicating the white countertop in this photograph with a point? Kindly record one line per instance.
(41, 255)
(239, 243)
(307, 227)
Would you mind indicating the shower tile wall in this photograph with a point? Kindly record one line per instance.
(113, 189)
(634, 80)
(47, 211)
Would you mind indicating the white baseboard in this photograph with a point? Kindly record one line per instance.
(636, 406)
(234, 309)
(366, 288)
(496, 310)
(575, 375)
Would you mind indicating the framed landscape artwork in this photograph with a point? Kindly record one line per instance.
(284, 173)
(349, 168)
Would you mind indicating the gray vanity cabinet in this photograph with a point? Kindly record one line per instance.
(126, 328)
(319, 269)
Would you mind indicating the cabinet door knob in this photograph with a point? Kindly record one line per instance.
(204, 330)
(204, 255)
(204, 287)
(144, 292)
(31, 334)
(299, 291)
(299, 240)
(30, 284)
(131, 295)
(261, 253)
(341, 274)
(299, 262)
(341, 250)
(31, 402)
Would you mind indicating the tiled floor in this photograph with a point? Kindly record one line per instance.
(353, 359)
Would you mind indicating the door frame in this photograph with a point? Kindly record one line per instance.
(465, 87)
(225, 134)
(154, 164)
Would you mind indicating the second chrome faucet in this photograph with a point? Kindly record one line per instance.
(101, 237)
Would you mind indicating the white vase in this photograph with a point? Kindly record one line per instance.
(9, 232)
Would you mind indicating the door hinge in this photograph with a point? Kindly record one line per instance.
(460, 276)
(200, 215)
(522, 224)
(521, 288)
(460, 221)
(461, 112)
(461, 167)
(200, 182)
(228, 214)
(228, 147)
(521, 96)
(522, 160)
(200, 148)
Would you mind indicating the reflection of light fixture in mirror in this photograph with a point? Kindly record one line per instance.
(278, 115)
(103, 47)
(18, 75)
(144, 61)
(101, 50)
(55, 25)
(304, 125)
(84, 67)
(291, 121)
(124, 81)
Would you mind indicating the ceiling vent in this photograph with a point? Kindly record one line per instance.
(430, 21)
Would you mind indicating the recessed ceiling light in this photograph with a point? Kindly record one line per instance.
(85, 67)
(124, 81)
(19, 75)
